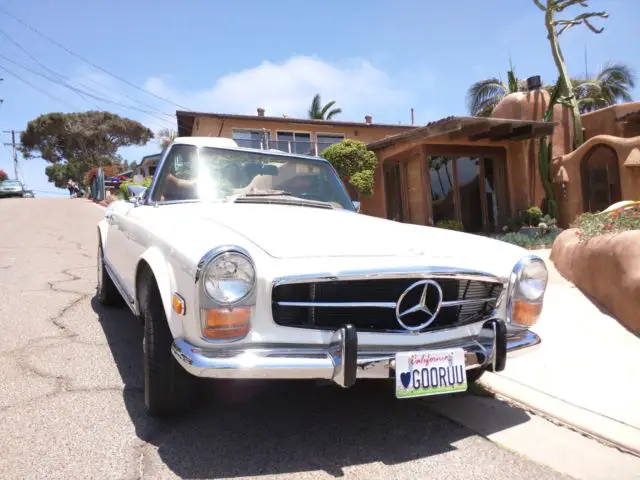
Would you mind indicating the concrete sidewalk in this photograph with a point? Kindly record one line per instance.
(586, 373)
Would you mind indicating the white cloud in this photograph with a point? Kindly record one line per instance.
(358, 87)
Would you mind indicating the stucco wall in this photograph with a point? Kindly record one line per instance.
(607, 268)
(566, 172)
(603, 121)
(528, 189)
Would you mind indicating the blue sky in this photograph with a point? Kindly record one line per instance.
(376, 57)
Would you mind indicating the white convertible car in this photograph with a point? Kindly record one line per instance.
(255, 264)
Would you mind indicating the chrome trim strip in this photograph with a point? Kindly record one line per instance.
(450, 303)
(338, 304)
(417, 272)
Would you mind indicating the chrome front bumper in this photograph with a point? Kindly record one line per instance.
(343, 362)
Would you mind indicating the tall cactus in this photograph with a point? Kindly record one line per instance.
(555, 28)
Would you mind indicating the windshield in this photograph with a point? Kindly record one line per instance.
(216, 174)
(10, 183)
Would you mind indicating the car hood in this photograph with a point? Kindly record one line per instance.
(304, 232)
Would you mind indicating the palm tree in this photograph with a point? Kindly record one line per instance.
(483, 96)
(318, 112)
(610, 86)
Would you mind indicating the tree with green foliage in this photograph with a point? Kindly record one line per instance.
(318, 112)
(354, 163)
(555, 28)
(75, 142)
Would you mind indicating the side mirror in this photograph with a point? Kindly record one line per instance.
(356, 204)
(137, 194)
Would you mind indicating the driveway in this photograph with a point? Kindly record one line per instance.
(71, 402)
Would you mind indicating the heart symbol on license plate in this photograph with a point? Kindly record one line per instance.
(405, 378)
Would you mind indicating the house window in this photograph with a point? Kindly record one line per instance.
(295, 142)
(325, 140)
(250, 138)
(442, 194)
(470, 190)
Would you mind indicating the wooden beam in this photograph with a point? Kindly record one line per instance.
(518, 133)
(469, 130)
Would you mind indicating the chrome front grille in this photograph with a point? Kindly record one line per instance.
(370, 304)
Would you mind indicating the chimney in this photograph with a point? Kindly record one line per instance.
(260, 112)
(534, 83)
(368, 119)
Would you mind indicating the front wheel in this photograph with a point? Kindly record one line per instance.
(168, 388)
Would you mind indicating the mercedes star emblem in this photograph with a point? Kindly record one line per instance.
(428, 305)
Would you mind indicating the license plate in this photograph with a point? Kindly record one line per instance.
(430, 372)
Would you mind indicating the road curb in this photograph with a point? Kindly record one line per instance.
(610, 431)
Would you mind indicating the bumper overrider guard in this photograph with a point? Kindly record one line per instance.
(343, 362)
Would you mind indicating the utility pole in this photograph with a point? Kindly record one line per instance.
(15, 151)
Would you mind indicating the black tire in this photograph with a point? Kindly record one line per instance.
(106, 290)
(474, 374)
(168, 388)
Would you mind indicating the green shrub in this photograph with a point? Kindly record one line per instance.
(450, 225)
(354, 163)
(533, 216)
(525, 241)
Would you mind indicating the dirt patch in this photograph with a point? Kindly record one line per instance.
(607, 268)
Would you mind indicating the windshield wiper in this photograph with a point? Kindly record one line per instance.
(267, 193)
(280, 197)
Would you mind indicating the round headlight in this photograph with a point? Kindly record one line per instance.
(532, 280)
(229, 278)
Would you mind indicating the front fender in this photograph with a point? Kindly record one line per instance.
(165, 280)
(103, 226)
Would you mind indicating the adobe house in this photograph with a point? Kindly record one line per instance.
(604, 170)
(467, 169)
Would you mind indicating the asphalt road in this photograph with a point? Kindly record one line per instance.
(71, 402)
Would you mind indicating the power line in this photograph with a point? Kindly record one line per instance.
(79, 91)
(35, 30)
(62, 78)
(2, 32)
(53, 97)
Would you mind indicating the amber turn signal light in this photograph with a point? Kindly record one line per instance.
(178, 304)
(225, 323)
(525, 314)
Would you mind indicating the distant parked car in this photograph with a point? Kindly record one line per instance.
(11, 188)
(28, 194)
